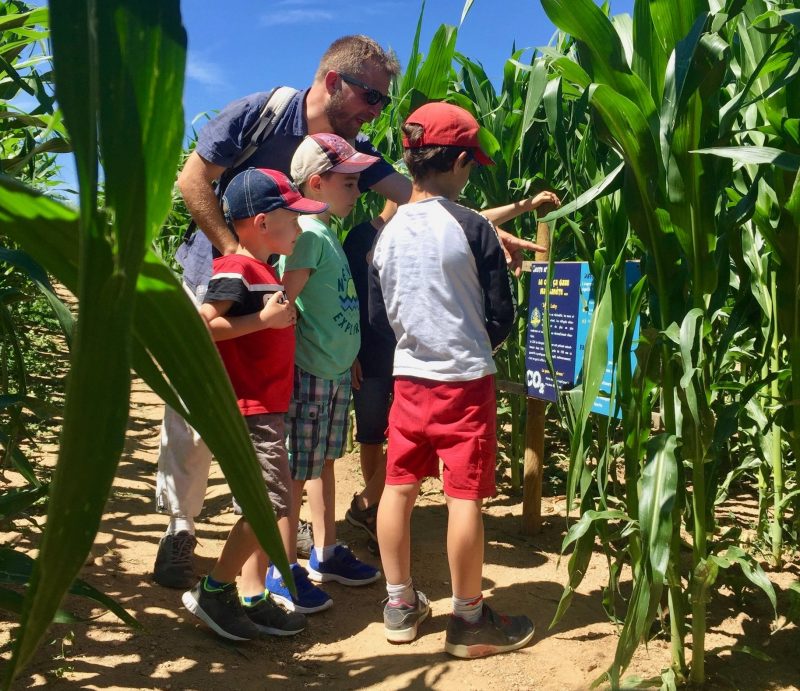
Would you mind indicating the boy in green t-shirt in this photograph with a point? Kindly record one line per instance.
(317, 278)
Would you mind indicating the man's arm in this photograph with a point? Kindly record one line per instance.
(394, 186)
(194, 183)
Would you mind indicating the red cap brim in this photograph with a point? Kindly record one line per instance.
(302, 205)
(482, 158)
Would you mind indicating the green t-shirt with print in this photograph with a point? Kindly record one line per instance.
(328, 332)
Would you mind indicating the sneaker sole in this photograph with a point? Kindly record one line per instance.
(277, 632)
(293, 607)
(319, 577)
(470, 652)
(352, 520)
(192, 605)
(166, 582)
(406, 635)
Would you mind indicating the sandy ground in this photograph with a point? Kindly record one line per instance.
(344, 647)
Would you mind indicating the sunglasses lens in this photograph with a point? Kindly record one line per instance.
(372, 96)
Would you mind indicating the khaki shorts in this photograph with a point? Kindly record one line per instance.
(269, 440)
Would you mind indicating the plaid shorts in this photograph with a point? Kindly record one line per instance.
(316, 422)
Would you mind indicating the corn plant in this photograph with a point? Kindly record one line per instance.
(119, 70)
(672, 94)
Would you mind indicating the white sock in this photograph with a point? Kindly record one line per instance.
(324, 553)
(469, 609)
(179, 523)
(402, 593)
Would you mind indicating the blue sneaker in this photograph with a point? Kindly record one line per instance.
(309, 598)
(342, 567)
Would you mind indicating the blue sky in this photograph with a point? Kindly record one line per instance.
(249, 45)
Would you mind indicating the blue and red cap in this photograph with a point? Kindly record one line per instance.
(261, 190)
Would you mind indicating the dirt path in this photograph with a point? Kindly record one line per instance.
(344, 647)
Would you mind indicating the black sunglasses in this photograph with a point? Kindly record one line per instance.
(371, 96)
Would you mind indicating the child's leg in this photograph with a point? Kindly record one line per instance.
(373, 468)
(322, 502)
(254, 570)
(394, 531)
(238, 547)
(465, 546)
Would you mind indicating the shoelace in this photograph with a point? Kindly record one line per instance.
(182, 549)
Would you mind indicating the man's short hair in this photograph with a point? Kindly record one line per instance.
(350, 53)
(424, 160)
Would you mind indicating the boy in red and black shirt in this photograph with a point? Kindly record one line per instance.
(253, 325)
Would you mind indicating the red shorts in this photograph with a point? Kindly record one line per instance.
(452, 421)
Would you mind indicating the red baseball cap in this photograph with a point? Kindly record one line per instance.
(444, 124)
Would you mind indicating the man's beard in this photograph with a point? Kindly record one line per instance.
(341, 124)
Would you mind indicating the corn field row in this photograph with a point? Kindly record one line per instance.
(674, 138)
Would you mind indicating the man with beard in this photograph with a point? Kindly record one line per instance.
(350, 88)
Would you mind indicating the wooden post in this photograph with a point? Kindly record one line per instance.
(534, 426)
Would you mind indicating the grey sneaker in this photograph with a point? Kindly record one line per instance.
(493, 633)
(272, 619)
(400, 622)
(221, 610)
(366, 519)
(305, 540)
(173, 567)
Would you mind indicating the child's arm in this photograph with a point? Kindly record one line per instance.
(294, 280)
(501, 214)
(277, 313)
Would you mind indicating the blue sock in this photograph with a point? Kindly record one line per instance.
(250, 600)
(211, 584)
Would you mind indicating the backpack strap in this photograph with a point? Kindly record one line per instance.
(274, 108)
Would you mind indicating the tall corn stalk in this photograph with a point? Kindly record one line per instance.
(676, 93)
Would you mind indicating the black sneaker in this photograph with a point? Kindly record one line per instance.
(400, 622)
(305, 540)
(221, 610)
(173, 567)
(493, 633)
(274, 620)
(366, 519)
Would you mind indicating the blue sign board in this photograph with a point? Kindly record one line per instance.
(571, 297)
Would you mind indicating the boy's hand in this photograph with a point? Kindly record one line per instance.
(356, 375)
(278, 312)
(543, 198)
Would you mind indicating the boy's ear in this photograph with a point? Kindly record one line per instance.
(314, 183)
(260, 222)
(462, 160)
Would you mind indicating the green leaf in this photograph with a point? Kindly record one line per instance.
(34, 271)
(432, 81)
(17, 500)
(658, 487)
(605, 186)
(756, 155)
(16, 568)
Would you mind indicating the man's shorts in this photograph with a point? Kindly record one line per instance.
(268, 433)
(317, 422)
(372, 402)
(452, 421)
